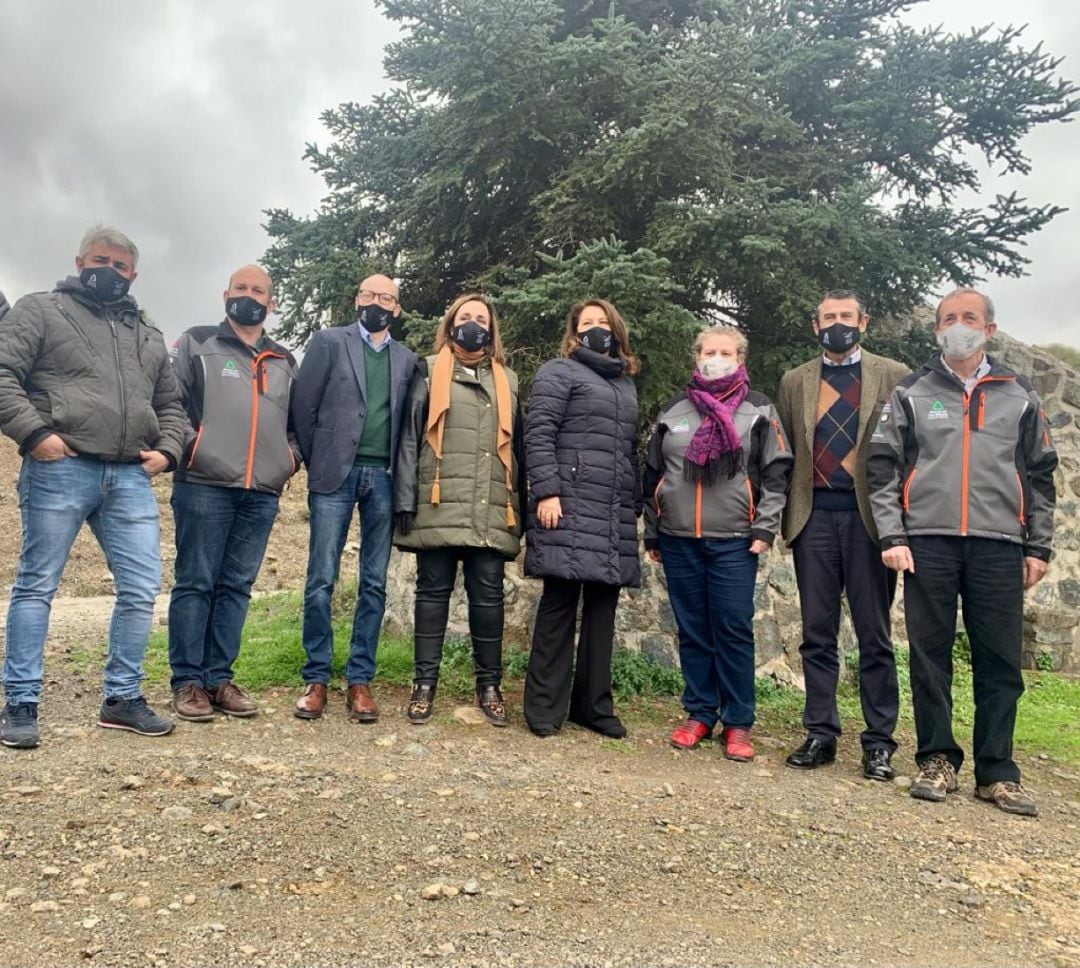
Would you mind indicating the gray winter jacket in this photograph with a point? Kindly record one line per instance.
(946, 462)
(748, 505)
(237, 398)
(98, 376)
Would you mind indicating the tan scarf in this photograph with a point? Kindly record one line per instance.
(442, 376)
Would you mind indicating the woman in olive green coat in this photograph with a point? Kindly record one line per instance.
(457, 486)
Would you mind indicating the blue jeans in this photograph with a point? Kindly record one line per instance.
(55, 498)
(711, 588)
(369, 489)
(221, 535)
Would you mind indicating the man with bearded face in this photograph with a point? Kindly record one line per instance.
(348, 410)
(87, 392)
(961, 473)
(236, 385)
(828, 408)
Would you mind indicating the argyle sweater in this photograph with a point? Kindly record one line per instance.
(836, 435)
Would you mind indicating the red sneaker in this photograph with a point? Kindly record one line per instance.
(686, 736)
(737, 744)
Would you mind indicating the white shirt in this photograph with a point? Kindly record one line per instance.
(983, 369)
(856, 357)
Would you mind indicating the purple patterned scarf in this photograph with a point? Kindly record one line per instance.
(716, 440)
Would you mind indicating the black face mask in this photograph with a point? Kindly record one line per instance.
(839, 338)
(470, 336)
(599, 340)
(104, 283)
(245, 311)
(374, 318)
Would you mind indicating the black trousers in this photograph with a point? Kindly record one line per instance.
(436, 572)
(548, 689)
(987, 576)
(835, 556)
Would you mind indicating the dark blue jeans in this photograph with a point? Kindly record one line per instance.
(371, 491)
(221, 535)
(711, 588)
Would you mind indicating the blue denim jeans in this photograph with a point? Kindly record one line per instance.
(55, 498)
(370, 490)
(221, 535)
(711, 588)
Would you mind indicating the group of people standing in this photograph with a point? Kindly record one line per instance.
(867, 470)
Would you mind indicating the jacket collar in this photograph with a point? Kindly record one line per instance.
(72, 286)
(609, 367)
(226, 332)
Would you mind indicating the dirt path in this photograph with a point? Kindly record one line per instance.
(277, 842)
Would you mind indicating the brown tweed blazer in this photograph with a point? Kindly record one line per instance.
(796, 404)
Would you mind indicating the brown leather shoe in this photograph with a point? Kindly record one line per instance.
(191, 702)
(230, 699)
(312, 703)
(360, 706)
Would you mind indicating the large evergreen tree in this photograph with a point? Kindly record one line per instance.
(689, 159)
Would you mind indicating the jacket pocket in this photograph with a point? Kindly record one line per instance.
(1022, 513)
(751, 507)
(194, 448)
(905, 497)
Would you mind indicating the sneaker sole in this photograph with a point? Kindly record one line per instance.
(929, 795)
(735, 758)
(691, 746)
(132, 729)
(20, 744)
(1022, 812)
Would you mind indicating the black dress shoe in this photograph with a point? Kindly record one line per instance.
(609, 726)
(812, 754)
(877, 765)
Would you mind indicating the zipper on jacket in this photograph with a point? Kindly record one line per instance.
(752, 514)
(1022, 516)
(969, 418)
(258, 389)
(195, 447)
(656, 497)
(697, 510)
(779, 436)
(905, 500)
(120, 381)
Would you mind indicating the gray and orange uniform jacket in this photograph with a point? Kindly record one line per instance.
(237, 398)
(944, 461)
(748, 505)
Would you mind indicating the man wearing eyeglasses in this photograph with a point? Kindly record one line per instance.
(347, 407)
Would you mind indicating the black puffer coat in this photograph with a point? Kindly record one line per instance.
(581, 446)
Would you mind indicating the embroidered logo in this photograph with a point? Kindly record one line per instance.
(681, 426)
(229, 369)
(937, 411)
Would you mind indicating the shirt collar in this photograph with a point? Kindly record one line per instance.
(367, 338)
(983, 369)
(855, 357)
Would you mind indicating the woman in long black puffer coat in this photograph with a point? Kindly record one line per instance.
(581, 456)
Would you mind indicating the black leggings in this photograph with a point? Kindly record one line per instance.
(436, 571)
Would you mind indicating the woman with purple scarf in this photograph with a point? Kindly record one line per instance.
(716, 481)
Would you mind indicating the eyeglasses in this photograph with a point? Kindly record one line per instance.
(385, 299)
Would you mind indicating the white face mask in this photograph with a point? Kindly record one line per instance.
(958, 342)
(717, 367)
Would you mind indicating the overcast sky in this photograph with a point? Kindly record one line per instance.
(179, 121)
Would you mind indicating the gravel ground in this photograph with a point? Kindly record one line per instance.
(278, 842)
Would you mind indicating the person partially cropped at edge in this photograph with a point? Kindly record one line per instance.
(716, 477)
(88, 394)
(961, 474)
(236, 384)
(828, 407)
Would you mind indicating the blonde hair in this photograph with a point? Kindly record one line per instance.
(736, 335)
(619, 330)
(494, 349)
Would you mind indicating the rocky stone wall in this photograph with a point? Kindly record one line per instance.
(645, 621)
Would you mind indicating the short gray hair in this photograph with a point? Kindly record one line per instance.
(988, 305)
(109, 236)
(736, 335)
(842, 294)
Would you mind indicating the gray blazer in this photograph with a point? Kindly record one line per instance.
(329, 402)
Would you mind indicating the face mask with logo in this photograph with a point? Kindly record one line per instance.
(958, 341)
(245, 311)
(598, 339)
(470, 336)
(717, 367)
(104, 283)
(374, 318)
(839, 337)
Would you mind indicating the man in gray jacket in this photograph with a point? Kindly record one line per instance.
(961, 474)
(87, 392)
(236, 385)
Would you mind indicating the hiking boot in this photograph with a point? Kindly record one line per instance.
(191, 702)
(360, 706)
(230, 699)
(421, 703)
(133, 715)
(737, 744)
(491, 703)
(1010, 797)
(18, 725)
(689, 734)
(936, 779)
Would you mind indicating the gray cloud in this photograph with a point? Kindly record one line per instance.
(179, 121)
